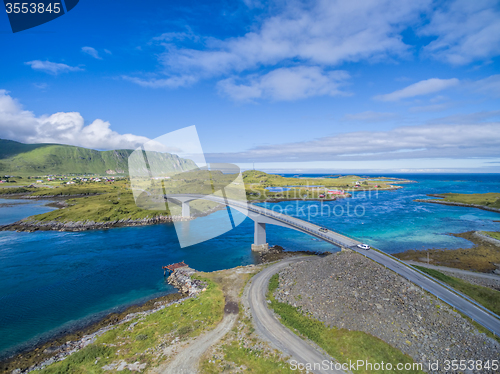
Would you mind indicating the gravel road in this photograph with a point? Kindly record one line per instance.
(186, 362)
(270, 327)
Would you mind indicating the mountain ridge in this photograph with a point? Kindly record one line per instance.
(48, 158)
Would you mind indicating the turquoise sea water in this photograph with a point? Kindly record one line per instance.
(278, 189)
(51, 282)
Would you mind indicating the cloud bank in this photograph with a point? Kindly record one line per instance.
(466, 31)
(405, 142)
(286, 84)
(62, 127)
(323, 35)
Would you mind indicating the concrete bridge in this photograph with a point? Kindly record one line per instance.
(262, 217)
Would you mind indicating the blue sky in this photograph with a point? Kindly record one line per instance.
(290, 85)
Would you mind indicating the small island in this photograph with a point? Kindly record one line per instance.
(487, 201)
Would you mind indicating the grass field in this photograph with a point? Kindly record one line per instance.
(342, 344)
(251, 359)
(491, 199)
(493, 234)
(144, 338)
(481, 257)
(483, 295)
(109, 206)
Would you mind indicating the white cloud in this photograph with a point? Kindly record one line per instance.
(420, 88)
(323, 32)
(370, 116)
(91, 52)
(326, 34)
(286, 84)
(62, 127)
(51, 67)
(466, 31)
(108, 51)
(171, 82)
(468, 118)
(429, 108)
(406, 142)
(320, 33)
(489, 86)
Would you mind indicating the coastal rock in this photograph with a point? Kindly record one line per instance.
(123, 365)
(347, 290)
(181, 278)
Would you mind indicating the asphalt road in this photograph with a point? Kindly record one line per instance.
(271, 328)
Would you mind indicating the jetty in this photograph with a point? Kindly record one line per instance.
(173, 267)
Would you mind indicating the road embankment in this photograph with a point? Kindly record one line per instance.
(347, 290)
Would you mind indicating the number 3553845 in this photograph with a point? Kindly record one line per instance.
(32, 7)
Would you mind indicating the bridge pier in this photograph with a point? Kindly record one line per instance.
(186, 211)
(259, 238)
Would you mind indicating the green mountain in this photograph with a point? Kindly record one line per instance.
(42, 159)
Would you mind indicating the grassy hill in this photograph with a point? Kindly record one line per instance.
(42, 159)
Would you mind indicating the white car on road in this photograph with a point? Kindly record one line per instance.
(364, 246)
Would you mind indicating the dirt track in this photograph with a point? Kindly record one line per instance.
(186, 362)
(269, 326)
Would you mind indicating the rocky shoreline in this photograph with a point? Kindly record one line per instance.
(486, 238)
(33, 225)
(52, 352)
(70, 347)
(456, 204)
(181, 278)
(347, 290)
(65, 344)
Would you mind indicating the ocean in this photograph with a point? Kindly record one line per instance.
(52, 282)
